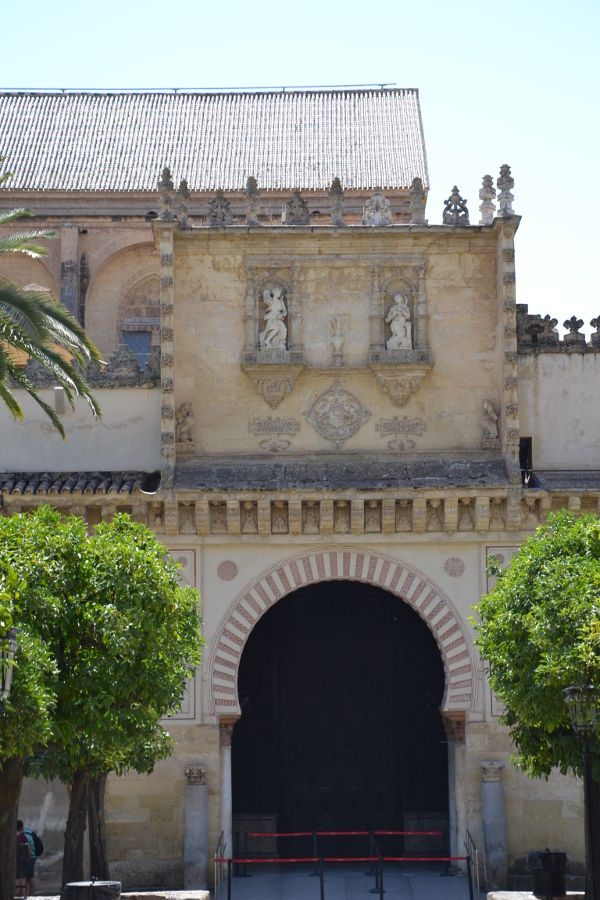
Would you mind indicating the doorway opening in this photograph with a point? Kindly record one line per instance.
(340, 687)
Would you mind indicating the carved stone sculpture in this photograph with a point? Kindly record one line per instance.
(574, 340)
(297, 212)
(403, 515)
(373, 516)
(595, 323)
(341, 517)
(336, 195)
(398, 318)
(182, 199)
(455, 210)
(165, 186)
(434, 516)
(418, 198)
(279, 517)
(377, 210)
(219, 211)
(249, 517)
(465, 515)
(337, 338)
(184, 424)
(489, 426)
(252, 196)
(310, 517)
(487, 195)
(274, 334)
(505, 184)
(218, 518)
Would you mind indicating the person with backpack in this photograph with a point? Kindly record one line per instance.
(36, 848)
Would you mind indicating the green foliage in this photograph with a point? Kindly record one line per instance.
(122, 629)
(539, 630)
(27, 711)
(33, 323)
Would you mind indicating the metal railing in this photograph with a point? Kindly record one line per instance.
(219, 866)
(473, 855)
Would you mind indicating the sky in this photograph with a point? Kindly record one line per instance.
(516, 82)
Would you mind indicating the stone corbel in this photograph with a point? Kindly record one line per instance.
(400, 381)
(273, 382)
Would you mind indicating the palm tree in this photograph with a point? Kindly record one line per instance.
(34, 323)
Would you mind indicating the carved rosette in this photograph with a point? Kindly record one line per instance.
(337, 415)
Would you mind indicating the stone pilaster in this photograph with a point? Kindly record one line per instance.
(454, 726)
(419, 514)
(295, 313)
(376, 314)
(164, 235)
(233, 517)
(295, 516)
(493, 821)
(421, 333)
(69, 268)
(202, 517)
(195, 832)
(250, 314)
(357, 514)
(388, 515)
(506, 286)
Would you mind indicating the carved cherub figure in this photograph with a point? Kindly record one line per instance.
(398, 318)
(184, 424)
(275, 331)
(490, 420)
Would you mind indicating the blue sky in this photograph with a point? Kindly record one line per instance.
(516, 82)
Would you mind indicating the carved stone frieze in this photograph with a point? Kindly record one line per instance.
(401, 431)
(337, 415)
(273, 382)
(275, 432)
(400, 382)
(296, 211)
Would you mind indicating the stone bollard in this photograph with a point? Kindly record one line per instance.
(493, 820)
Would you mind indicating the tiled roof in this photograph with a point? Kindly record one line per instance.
(43, 483)
(286, 140)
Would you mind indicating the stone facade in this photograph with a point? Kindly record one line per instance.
(293, 436)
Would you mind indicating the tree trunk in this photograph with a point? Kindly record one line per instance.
(72, 869)
(97, 824)
(11, 779)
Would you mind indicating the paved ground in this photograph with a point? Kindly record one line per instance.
(345, 883)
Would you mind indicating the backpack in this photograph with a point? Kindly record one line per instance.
(38, 845)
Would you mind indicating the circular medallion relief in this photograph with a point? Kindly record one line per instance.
(227, 570)
(454, 566)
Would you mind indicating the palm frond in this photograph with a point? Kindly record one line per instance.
(24, 242)
(21, 379)
(12, 215)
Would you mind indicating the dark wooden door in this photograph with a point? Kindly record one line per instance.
(340, 686)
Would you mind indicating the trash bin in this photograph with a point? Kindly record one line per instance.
(91, 890)
(549, 880)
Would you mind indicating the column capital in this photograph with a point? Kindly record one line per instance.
(226, 726)
(491, 770)
(195, 774)
(454, 726)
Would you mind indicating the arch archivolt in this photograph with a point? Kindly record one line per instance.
(406, 582)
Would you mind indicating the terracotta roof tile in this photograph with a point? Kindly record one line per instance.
(44, 483)
(287, 140)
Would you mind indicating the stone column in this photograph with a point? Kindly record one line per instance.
(250, 315)
(226, 726)
(493, 822)
(454, 726)
(195, 829)
(295, 314)
(421, 338)
(376, 315)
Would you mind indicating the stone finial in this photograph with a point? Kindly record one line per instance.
(167, 199)
(336, 195)
(296, 211)
(377, 210)
(455, 210)
(574, 340)
(487, 195)
(219, 211)
(505, 184)
(252, 196)
(595, 323)
(418, 199)
(182, 198)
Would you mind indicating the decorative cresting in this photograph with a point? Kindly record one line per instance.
(355, 564)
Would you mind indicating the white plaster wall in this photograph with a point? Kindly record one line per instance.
(559, 409)
(126, 437)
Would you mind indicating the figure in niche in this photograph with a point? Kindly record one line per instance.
(434, 519)
(496, 514)
(398, 318)
(311, 517)
(249, 517)
(490, 421)
(341, 517)
(279, 517)
(403, 522)
(275, 332)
